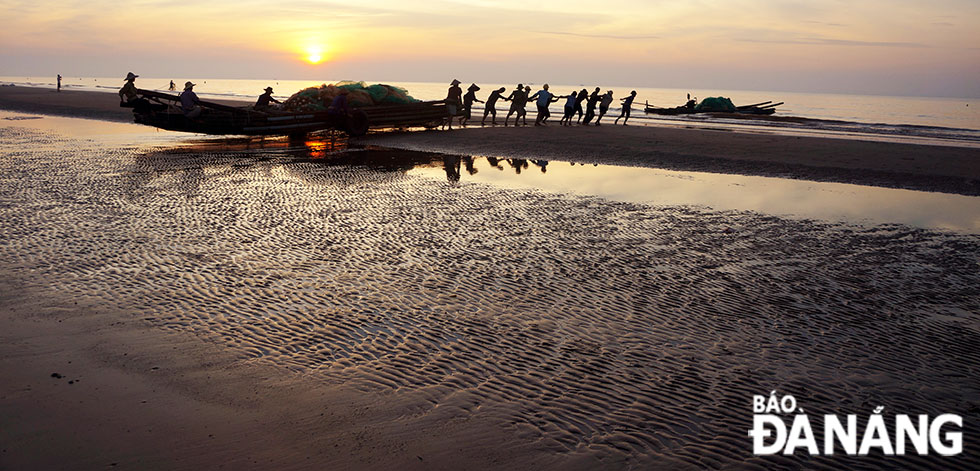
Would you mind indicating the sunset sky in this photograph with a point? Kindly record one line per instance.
(902, 47)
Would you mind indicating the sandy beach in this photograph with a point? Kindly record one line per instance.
(199, 303)
(897, 165)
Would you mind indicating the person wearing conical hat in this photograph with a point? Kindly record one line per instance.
(454, 101)
(127, 93)
(468, 100)
(263, 103)
(189, 101)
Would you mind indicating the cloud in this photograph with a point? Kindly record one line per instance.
(835, 42)
(601, 36)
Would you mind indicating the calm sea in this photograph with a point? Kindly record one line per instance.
(942, 118)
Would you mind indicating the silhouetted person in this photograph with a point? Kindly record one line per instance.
(522, 111)
(604, 103)
(127, 94)
(189, 101)
(59, 82)
(627, 104)
(582, 96)
(265, 100)
(566, 119)
(541, 163)
(454, 101)
(468, 100)
(339, 111)
(590, 106)
(544, 98)
(468, 165)
(173, 86)
(518, 164)
(491, 105)
(516, 99)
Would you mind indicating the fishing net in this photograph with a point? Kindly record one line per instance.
(361, 94)
(715, 104)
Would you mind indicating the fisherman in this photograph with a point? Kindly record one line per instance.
(59, 82)
(339, 111)
(544, 98)
(468, 100)
(604, 103)
(263, 103)
(129, 97)
(173, 86)
(566, 118)
(627, 104)
(582, 96)
(189, 101)
(517, 98)
(127, 94)
(491, 107)
(590, 106)
(454, 101)
(522, 111)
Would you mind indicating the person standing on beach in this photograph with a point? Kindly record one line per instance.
(604, 103)
(590, 106)
(468, 100)
(582, 95)
(627, 104)
(172, 86)
(515, 100)
(491, 107)
(454, 101)
(522, 111)
(59, 82)
(189, 101)
(544, 98)
(566, 119)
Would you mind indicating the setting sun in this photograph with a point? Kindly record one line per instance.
(314, 54)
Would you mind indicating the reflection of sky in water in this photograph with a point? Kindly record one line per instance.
(777, 196)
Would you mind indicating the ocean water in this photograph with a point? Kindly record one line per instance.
(941, 118)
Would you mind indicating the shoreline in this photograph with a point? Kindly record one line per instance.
(896, 165)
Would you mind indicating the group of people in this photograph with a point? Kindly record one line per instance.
(190, 104)
(461, 105)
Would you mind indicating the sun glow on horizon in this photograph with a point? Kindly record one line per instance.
(314, 55)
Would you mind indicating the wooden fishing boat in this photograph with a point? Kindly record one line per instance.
(764, 108)
(162, 110)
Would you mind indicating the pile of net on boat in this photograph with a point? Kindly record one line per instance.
(361, 94)
(715, 103)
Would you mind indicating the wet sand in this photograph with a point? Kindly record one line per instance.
(242, 290)
(896, 165)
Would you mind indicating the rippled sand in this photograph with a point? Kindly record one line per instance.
(626, 332)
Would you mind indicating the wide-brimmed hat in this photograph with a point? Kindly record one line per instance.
(474, 87)
(455, 82)
(268, 89)
(131, 76)
(188, 85)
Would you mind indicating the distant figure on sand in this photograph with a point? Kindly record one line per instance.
(59, 82)
(263, 103)
(604, 103)
(468, 100)
(544, 98)
(627, 104)
(173, 86)
(590, 106)
(582, 96)
(517, 99)
(491, 107)
(454, 101)
(566, 118)
(189, 101)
